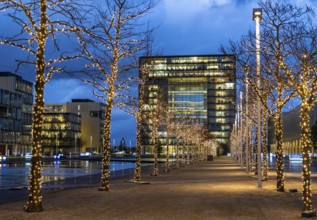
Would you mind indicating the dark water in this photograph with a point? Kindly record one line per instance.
(293, 166)
(15, 174)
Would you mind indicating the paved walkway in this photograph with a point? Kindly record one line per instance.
(218, 189)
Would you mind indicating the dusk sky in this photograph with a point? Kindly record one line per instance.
(185, 27)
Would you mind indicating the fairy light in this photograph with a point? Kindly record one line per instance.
(155, 118)
(301, 85)
(34, 203)
(137, 169)
(105, 166)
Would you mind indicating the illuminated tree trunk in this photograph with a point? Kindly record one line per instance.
(177, 153)
(264, 148)
(306, 147)
(105, 169)
(167, 165)
(34, 203)
(279, 153)
(137, 169)
(188, 154)
(155, 164)
(183, 154)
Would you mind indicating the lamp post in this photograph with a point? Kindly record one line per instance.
(241, 129)
(257, 16)
(247, 120)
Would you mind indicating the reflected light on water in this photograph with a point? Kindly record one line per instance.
(16, 174)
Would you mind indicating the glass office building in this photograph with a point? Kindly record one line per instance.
(74, 127)
(61, 133)
(16, 100)
(201, 87)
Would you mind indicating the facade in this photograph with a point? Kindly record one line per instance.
(202, 87)
(291, 131)
(91, 117)
(61, 132)
(16, 100)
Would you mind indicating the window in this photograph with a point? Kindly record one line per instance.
(94, 114)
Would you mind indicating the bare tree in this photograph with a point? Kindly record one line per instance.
(110, 47)
(40, 23)
(300, 67)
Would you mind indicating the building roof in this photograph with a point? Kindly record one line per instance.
(82, 100)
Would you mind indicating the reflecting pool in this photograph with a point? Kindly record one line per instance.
(15, 174)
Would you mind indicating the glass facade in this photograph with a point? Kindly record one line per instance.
(16, 100)
(198, 87)
(78, 126)
(61, 132)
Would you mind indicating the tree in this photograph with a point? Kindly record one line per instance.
(156, 116)
(279, 34)
(301, 71)
(170, 132)
(41, 23)
(110, 47)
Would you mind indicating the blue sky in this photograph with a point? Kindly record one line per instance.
(185, 27)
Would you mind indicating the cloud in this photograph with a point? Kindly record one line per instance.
(200, 27)
(63, 90)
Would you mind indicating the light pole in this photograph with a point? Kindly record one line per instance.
(257, 16)
(247, 120)
(241, 129)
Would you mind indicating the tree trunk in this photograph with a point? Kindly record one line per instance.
(306, 147)
(183, 154)
(188, 154)
(279, 153)
(264, 148)
(167, 165)
(155, 164)
(177, 153)
(105, 172)
(137, 169)
(34, 203)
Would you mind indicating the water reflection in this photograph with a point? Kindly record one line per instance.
(16, 174)
(293, 166)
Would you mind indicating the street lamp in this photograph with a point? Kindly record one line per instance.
(247, 120)
(257, 16)
(241, 129)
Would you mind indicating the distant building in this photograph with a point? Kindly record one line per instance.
(201, 87)
(91, 118)
(61, 133)
(16, 100)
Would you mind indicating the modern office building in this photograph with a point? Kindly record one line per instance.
(16, 100)
(88, 113)
(291, 131)
(202, 87)
(61, 133)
